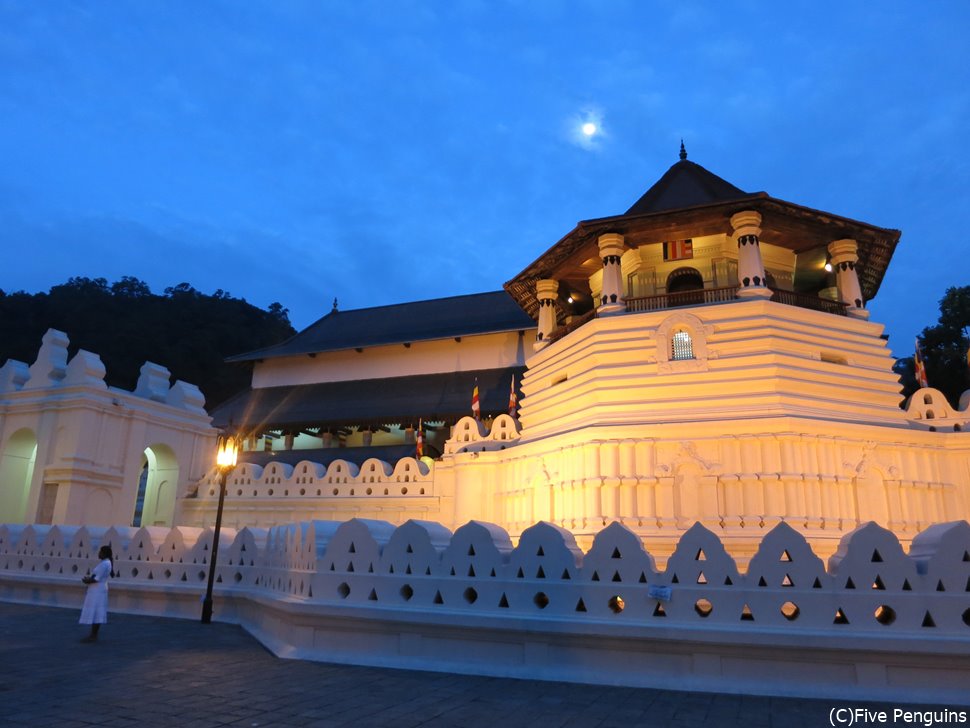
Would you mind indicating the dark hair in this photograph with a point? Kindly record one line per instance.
(107, 554)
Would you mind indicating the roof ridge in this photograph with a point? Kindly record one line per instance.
(410, 303)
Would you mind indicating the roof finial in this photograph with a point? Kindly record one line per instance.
(683, 152)
(334, 305)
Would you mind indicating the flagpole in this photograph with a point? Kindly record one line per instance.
(919, 364)
(476, 403)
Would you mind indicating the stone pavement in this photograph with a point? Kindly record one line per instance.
(147, 671)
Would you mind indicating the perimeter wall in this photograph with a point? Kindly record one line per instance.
(874, 623)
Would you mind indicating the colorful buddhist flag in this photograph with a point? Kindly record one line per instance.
(678, 249)
(419, 441)
(476, 405)
(920, 366)
(513, 399)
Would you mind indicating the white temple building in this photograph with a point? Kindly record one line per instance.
(705, 356)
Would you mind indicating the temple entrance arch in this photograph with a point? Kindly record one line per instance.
(16, 471)
(157, 483)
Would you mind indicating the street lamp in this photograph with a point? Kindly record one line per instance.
(225, 461)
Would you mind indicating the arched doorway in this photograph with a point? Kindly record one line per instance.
(157, 483)
(684, 286)
(16, 472)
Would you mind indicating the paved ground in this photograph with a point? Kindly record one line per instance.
(163, 672)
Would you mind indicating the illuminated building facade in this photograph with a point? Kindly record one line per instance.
(705, 356)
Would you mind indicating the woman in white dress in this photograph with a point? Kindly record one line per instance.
(95, 608)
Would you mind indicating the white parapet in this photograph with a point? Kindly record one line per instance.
(878, 623)
(279, 492)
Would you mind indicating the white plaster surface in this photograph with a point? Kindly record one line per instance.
(419, 596)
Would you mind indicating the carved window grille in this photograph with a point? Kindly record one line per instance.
(681, 346)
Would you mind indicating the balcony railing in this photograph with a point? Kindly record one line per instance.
(807, 300)
(572, 325)
(729, 293)
(703, 296)
(682, 298)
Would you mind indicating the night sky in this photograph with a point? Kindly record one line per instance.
(380, 152)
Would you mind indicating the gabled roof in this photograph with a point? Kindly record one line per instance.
(685, 184)
(689, 201)
(443, 397)
(439, 318)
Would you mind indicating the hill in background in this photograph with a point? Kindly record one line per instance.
(186, 331)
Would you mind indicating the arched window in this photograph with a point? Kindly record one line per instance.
(685, 287)
(684, 279)
(682, 343)
(681, 346)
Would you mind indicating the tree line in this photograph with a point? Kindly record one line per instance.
(946, 349)
(187, 331)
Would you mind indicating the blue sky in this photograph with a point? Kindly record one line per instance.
(380, 152)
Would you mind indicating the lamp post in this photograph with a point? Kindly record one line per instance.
(225, 461)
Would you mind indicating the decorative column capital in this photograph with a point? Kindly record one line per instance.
(746, 223)
(844, 251)
(611, 244)
(547, 288)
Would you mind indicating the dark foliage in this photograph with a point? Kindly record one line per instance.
(944, 348)
(188, 332)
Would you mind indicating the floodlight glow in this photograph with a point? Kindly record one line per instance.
(226, 454)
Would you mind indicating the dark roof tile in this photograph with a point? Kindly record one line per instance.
(440, 318)
(686, 184)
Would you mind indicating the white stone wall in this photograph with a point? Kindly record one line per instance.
(873, 621)
(281, 493)
(72, 448)
(822, 478)
(752, 359)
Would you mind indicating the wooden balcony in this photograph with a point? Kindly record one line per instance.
(728, 294)
(704, 296)
(807, 300)
(683, 298)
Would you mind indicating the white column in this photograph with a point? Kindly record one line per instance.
(751, 270)
(611, 250)
(546, 291)
(845, 256)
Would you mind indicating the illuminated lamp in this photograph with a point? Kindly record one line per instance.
(226, 453)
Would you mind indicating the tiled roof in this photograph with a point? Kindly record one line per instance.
(439, 318)
(686, 184)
